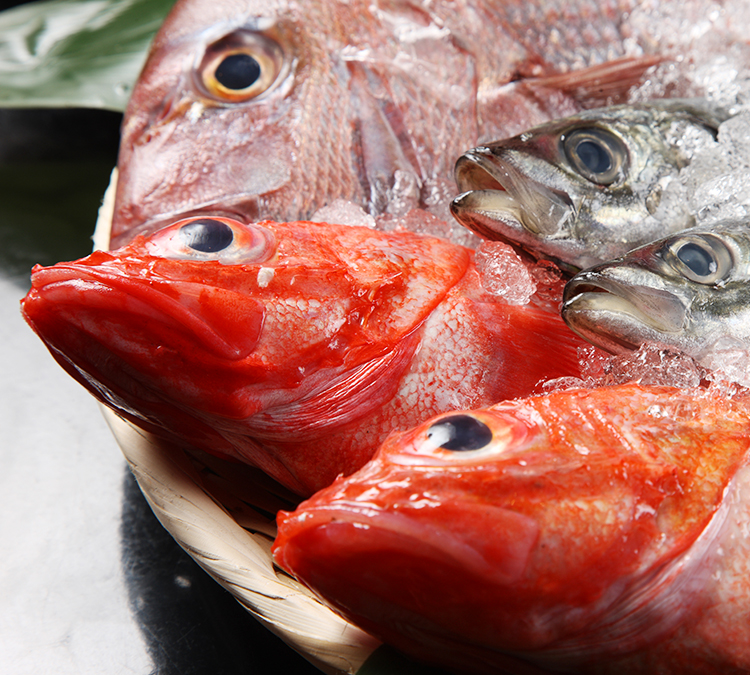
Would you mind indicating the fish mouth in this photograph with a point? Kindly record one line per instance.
(69, 289)
(131, 342)
(426, 533)
(498, 200)
(619, 315)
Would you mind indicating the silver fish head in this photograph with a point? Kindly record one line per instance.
(687, 291)
(584, 189)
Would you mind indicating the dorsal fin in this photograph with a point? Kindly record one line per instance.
(603, 84)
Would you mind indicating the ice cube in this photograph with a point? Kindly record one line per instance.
(734, 135)
(343, 212)
(403, 194)
(563, 383)
(548, 279)
(673, 204)
(503, 273)
(416, 220)
(704, 166)
(728, 359)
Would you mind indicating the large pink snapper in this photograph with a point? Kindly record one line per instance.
(271, 109)
(297, 346)
(586, 531)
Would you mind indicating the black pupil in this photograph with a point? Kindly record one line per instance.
(463, 432)
(593, 156)
(238, 71)
(206, 235)
(697, 259)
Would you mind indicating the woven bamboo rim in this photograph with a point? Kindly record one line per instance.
(223, 515)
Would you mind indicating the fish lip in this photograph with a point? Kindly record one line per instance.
(619, 315)
(499, 201)
(142, 300)
(456, 548)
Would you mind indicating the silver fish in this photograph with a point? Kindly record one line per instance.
(688, 291)
(587, 188)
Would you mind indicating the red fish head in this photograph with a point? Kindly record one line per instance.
(224, 333)
(561, 529)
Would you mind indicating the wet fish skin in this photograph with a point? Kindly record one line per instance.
(296, 347)
(375, 106)
(689, 291)
(587, 188)
(577, 531)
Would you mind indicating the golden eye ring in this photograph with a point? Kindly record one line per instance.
(240, 67)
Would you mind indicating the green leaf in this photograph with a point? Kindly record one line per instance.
(75, 53)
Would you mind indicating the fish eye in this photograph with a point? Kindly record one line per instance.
(460, 433)
(238, 71)
(704, 259)
(698, 260)
(240, 67)
(596, 154)
(218, 239)
(206, 234)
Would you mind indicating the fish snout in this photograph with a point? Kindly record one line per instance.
(137, 314)
(505, 196)
(443, 538)
(615, 308)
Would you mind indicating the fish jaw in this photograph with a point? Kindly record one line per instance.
(620, 309)
(129, 341)
(500, 200)
(609, 547)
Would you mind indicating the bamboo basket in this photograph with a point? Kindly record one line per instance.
(223, 515)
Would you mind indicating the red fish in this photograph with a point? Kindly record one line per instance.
(296, 347)
(585, 531)
(270, 109)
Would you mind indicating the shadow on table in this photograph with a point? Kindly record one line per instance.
(192, 626)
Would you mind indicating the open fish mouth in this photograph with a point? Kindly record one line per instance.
(500, 201)
(619, 315)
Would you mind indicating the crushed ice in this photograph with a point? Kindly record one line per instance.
(728, 360)
(716, 184)
(343, 212)
(503, 273)
(725, 370)
(648, 365)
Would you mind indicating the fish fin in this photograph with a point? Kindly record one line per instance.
(344, 399)
(599, 85)
(384, 138)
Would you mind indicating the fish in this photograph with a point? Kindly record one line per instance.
(689, 292)
(587, 530)
(295, 347)
(270, 109)
(586, 188)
